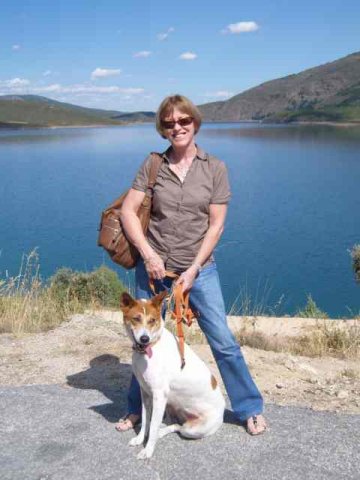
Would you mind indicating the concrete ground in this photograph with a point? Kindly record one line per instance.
(53, 432)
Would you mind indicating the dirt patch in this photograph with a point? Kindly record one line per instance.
(93, 351)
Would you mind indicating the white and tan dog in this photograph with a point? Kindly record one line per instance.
(190, 394)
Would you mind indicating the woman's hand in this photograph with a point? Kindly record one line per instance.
(155, 266)
(187, 278)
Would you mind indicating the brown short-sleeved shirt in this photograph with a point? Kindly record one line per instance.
(180, 211)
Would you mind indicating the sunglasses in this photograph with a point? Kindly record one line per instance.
(183, 122)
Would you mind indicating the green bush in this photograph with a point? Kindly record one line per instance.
(355, 255)
(101, 286)
(311, 310)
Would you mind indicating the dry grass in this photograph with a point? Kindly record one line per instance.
(325, 340)
(350, 373)
(328, 340)
(26, 305)
(261, 341)
(192, 335)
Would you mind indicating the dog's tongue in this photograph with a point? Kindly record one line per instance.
(148, 350)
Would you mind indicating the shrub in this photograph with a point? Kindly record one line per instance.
(311, 310)
(355, 255)
(102, 286)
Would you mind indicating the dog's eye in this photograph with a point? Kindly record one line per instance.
(152, 321)
(136, 319)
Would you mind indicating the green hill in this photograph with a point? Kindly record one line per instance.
(329, 92)
(37, 111)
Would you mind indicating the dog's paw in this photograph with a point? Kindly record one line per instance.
(136, 441)
(145, 454)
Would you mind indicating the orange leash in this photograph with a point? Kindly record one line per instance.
(181, 311)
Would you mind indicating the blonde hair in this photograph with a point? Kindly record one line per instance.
(183, 104)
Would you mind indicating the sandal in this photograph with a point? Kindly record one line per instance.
(128, 422)
(254, 429)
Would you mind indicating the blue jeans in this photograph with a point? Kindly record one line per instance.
(206, 299)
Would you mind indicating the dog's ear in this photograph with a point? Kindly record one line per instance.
(158, 299)
(126, 301)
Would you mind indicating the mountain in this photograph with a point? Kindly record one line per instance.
(37, 111)
(329, 92)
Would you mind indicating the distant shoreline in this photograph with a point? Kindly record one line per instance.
(332, 124)
(23, 126)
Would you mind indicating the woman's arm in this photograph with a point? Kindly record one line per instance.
(132, 226)
(217, 217)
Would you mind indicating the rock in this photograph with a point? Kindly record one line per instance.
(290, 365)
(328, 391)
(280, 385)
(313, 381)
(309, 391)
(342, 394)
(307, 368)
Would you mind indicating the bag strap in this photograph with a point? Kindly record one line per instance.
(156, 161)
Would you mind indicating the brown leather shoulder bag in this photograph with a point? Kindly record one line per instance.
(111, 234)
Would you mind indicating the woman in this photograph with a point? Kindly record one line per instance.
(189, 208)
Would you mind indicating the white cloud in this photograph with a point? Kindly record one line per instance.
(22, 86)
(188, 56)
(14, 83)
(16, 47)
(241, 27)
(219, 94)
(104, 73)
(82, 89)
(18, 82)
(47, 73)
(164, 36)
(142, 54)
(55, 87)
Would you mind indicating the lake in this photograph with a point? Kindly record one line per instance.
(293, 216)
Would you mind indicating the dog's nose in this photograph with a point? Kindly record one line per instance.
(144, 339)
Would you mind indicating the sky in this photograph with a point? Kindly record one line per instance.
(127, 55)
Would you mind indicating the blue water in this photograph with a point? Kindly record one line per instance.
(294, 213)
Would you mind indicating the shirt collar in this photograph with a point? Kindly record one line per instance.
(200, 153)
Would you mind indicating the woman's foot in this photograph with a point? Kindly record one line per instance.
(128, 422)
(256, 425)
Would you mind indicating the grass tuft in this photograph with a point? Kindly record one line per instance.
(248, 305)
(311, 310)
